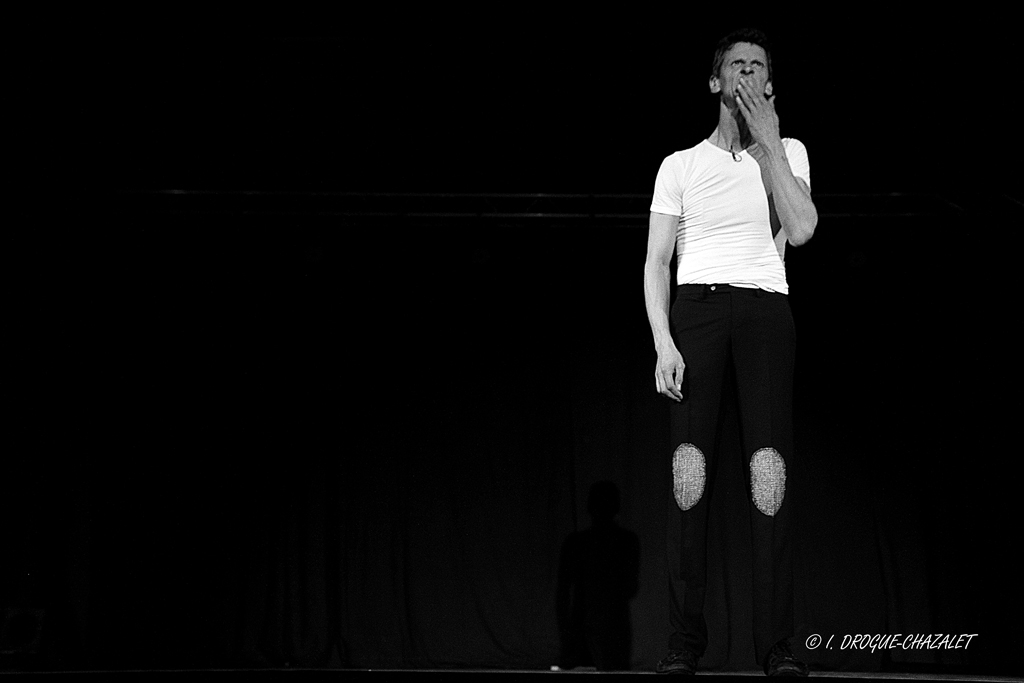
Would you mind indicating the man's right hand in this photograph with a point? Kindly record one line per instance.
(669, 373)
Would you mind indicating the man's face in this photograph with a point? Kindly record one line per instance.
(742, 60)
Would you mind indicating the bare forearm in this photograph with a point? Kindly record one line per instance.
(793, 204)
(657, 278)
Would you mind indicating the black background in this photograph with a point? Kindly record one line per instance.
(242, 436)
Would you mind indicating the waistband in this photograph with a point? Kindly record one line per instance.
(707, 289)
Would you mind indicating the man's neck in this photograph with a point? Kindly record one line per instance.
(732, 133)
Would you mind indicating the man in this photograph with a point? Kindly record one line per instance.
(725, 208)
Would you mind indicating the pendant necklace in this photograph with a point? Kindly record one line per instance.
(735, 157)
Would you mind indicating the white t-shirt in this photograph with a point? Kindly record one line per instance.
(724, 234)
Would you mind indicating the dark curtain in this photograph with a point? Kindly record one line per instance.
(237, 446)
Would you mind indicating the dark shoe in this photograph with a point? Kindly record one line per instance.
(782, 662)
(678, 662)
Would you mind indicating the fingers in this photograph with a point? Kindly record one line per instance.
(758, 112)
(750, 100)
(677, 385)
(669, 382)
(743, 99)
(750, 96)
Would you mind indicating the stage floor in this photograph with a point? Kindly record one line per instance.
(462, 674)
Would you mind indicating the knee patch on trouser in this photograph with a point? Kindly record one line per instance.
(688, 475)
(767, 480)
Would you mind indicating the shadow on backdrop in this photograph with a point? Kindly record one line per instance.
(598, 575)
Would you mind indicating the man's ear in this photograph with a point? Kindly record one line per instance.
(715, 84)
(768, 89)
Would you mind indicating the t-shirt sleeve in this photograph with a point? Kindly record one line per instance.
(798, 162)
(668, 190)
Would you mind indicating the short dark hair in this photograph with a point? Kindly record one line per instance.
(743, 35)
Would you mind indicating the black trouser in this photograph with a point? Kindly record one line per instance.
(751, 329)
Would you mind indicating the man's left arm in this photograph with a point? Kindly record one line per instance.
(790, 195)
